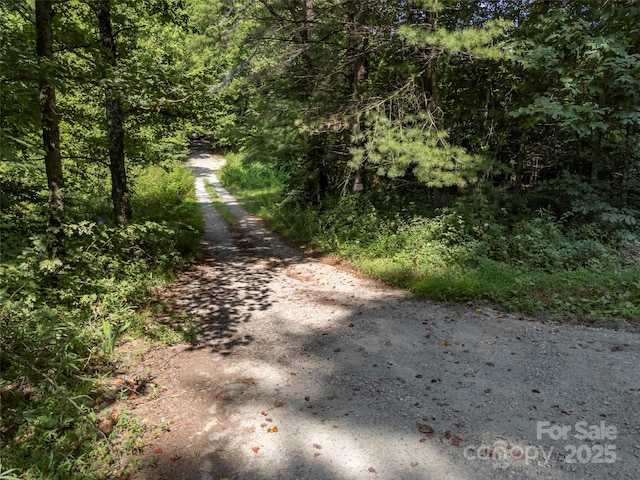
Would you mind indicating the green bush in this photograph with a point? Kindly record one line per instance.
(62, 315)
(168, 197)
(569, 261)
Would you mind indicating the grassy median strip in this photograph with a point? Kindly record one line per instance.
(229, 218)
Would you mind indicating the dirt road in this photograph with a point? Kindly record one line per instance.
(305, 371)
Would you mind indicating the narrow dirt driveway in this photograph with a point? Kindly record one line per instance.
(306, 371)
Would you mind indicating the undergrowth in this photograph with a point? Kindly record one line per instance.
(577, 262)
(62, 316)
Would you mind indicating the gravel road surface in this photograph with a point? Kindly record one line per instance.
(305, 370)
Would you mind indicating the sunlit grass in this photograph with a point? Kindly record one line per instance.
(221, 207)
(436, 258)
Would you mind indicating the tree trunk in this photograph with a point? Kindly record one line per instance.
(595, 155)
(358, 61)
(429, 77)
(303, 14)
(49, 113)
(114, 116)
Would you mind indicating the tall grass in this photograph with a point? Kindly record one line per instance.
(533, 263)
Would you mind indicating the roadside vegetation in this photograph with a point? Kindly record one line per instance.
(61, 318)
(575, 263)
(462, 150)
(97, 214)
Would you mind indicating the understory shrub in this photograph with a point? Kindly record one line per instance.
(61, 316)
(574, 262)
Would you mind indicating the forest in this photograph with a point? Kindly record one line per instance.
(462, 150)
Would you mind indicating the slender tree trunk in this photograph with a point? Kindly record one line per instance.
(428, 80)
(49, 113)
(595, 155)
(114, 116)
(519, 166)
(303, 14)
(626, 168)
(358, 61)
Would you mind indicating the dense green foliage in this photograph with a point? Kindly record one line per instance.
(71, 290)
(462, 149)
(61, 318)
(531, 262)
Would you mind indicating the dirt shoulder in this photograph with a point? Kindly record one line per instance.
(307, 371)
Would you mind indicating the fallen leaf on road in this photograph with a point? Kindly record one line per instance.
(175, 457)
(490, 364)
(372, 470)
(414, 464)
(279, 403)
(158, 450)
(424, 428)
(255, 449)
(315, 445)
(273, 429)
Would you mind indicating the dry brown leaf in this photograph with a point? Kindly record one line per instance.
(372, 470)
(424, 428)
(255, 449)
